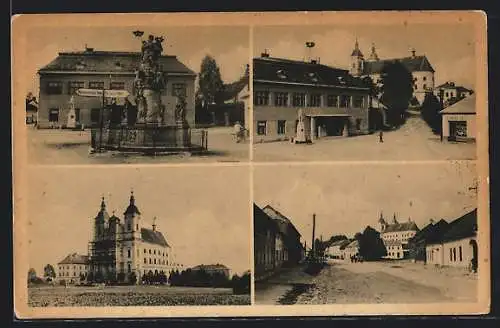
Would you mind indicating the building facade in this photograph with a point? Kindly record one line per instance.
(213, 269)
(428, 235)
(334, 250)
(396, 236)
(126, 247)
(90, 69)
(419, 67)
(449, 92)
(459, 120)
(73, 268)
(457, 245)
(276, 242)
(326, 101)
(350, 250)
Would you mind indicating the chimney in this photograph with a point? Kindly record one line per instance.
(154, 223)
(87, 49)
(265, 54)
(413, 52)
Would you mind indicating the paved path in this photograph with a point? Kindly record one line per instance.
(72, 147)
(413, 141)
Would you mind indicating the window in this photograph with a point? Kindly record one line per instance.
(137, 227)
(154, 252)
(299, 99)
(454, 254)
(53, 115)
(150, 261)
(54, 88)
(446, 94)
(128, 253)
(281, 99)
(178, 89)
(451, 255)
(150, 251)
(281, 126)
(144, 251)
(458, 128)
(460, 253)
(261, 128)
(357, 102)
(344, 101)
(129, 227)
(425, 86)
(261, 98)
(96, 85)
(145, 261)
(73, 86)
(95, 115)
(154, 261)
(425, 78)
(314, 100)
(129, 267)
(332, 101)
(358, 124)
(117, 85)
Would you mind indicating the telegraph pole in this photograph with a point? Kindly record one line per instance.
(313, 236)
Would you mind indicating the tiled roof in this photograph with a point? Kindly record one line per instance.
(153, 237)
(75, 258)
(109, 61)
(431, 232)
(413, 64)
(405, 226)
(464, 106)
(283, 222)
(279, 70)
(463, 227)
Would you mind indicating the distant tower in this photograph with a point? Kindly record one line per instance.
(357, 61)
(132, 219)
(394, 219)
(373, 54)
(100, 221)
(382, 222)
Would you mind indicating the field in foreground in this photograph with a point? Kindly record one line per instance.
(132, 296)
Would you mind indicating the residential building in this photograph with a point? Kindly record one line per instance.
(73, 268)
(92, 69)
(457, 245)
(459, 120)
(334, 250)
(276, 242)
(419, 67)
(449, 92)
(396, 235)
(306, 100)
(213, 269)
(126, 247)
(350, 250)
(31, 111)
(429, 234)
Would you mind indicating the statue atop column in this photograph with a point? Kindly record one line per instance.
(180, 109)
(149, 81)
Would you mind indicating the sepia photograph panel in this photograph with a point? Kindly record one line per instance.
(120, 95)
(367, 234)
(366, 92)
(138, 237)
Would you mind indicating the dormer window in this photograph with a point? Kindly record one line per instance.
(281, 74)
(341, 80)
(313, 76)
(80, 64)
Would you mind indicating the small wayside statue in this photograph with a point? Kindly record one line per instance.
(180, 109)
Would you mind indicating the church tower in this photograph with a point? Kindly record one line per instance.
(373, 54)
(132, 221)
(382, 222)
(100, 221)
(357, 61)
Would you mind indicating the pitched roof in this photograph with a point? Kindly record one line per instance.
(412, 64)
(232, 90)
(464, 106)
(463, 227)
(109, 61)
(153, 237)
(352, 244)
(339, 243)
(210, 267)
(280, 70)
(75, 258)
(283, 222)
(262, 221)
(405, 226)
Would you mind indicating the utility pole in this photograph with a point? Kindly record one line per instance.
(313, 236)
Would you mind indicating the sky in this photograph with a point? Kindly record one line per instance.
(449, 48)
(228, 45)
(348, 199)
(201, 214)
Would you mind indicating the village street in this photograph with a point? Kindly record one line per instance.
(413, 141)
(369, 282)
(72, 147)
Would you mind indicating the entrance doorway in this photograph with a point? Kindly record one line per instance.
(331, 126)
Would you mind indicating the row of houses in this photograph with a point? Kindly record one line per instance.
(441, 243)
(276, 242)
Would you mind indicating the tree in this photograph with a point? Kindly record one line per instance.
(397, 90)
(371, 246)
(90, 277)
(32, 275)
(210, 82)
(49, 272)
(430, 112)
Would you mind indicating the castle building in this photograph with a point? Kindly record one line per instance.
(122, 248)
(327, 101)
(396, 236)
(73, 268)
(419, 66)
(90, 69)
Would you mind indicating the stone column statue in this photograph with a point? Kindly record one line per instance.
(180, 110)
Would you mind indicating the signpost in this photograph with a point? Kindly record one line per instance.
(104, 94)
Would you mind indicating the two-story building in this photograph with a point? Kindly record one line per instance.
(396, 236)
(73, 268)
(92, 69)
(450, 92)
(326, 101)
(459, 120)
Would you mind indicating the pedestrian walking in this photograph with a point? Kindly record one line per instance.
(381, 136)
(238, 129)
